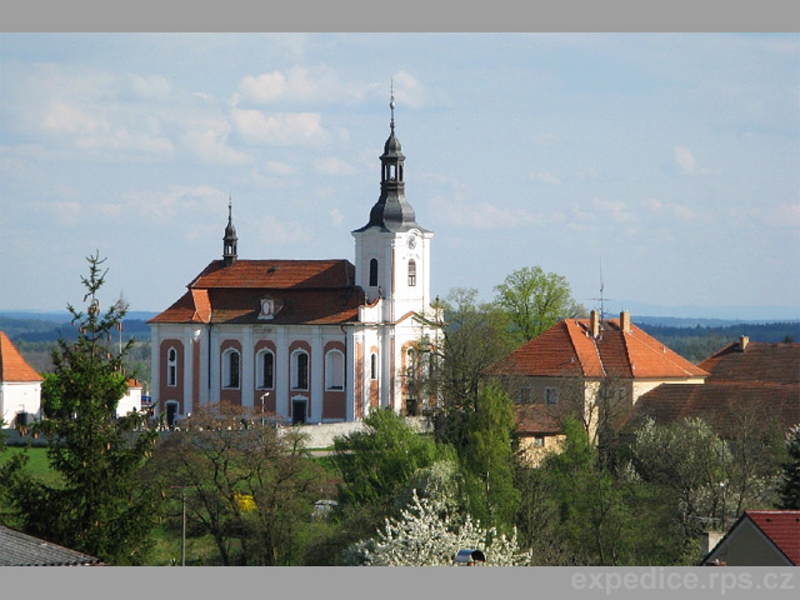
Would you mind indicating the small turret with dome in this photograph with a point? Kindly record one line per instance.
(229, 242)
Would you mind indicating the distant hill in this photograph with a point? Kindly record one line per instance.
(40, 328)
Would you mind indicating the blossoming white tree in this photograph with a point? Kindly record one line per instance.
(428, 534)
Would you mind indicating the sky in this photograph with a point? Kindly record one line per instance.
(662, 167)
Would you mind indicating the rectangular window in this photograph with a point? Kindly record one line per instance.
(525, 395)
(551, 395)
(172, 376)
(538, 441)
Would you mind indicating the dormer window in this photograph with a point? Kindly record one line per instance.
(267, 309)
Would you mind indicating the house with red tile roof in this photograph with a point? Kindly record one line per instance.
(759, 538)
(310, 341)
(20, 385)
(594, 369)
(754, 381)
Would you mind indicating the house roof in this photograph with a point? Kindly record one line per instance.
(754, 362)
(18, 549)
(318, 292)
(568, 349)
(535, 419)
(760, 381)
(12, 366)
(782, 527)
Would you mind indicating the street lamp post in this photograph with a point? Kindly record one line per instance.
(263, 396)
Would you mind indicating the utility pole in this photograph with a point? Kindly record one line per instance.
(183, 528)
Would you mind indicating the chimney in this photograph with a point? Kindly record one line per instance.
(594, 324)
(743, 342)
(625, 321)
(710, 540)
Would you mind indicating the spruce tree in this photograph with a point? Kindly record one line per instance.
(98, 507)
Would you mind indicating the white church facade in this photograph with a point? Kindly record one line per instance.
(310, 341)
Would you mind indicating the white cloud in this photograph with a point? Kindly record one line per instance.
(408, 91)
(151, 86)
(337, 218)
(209, 146)
(174, 203)
(683, 213)
(280, 129)
(546, 177)
(275, 167)
(783, 215)
(687, 163)
(617, 210)
(319, 84)
(61, 117)
(481, 215)
(66, 213)
(333, 166)
(274, 233)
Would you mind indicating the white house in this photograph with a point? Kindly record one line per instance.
(311, 341)
(20, 386)
(132, 400)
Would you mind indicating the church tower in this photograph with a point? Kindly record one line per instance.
(392, 250)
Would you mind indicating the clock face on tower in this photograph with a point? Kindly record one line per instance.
(412, 242)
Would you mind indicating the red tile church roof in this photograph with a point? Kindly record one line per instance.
(12, 366)
(318, 292)
(568, 349)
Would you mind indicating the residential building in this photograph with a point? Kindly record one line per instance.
(311, 341)
(593, 369)
(20, 386)
(759, 538)
(755, 382)
(132, 400)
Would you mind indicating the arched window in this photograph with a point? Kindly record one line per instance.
(300, 371)
(373, 272)
(412, 273)
(172, 367)
(334, 370)
(230, 366)
(265, 370)
(373, 366)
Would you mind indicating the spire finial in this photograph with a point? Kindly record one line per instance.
(391, 104)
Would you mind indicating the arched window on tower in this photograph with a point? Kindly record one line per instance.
(373, 272)
(412, 273)
(172, 367)
(373, 366)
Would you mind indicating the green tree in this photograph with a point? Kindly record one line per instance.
(379, 460)
(488, 460)
(100, 509)
(595, 513)
(535, 301)
(247, 486)
(790, 485)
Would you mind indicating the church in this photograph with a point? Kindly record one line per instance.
(307, 341)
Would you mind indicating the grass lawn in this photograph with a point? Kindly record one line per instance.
(38, 464)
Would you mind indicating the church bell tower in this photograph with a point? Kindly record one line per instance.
(392, 249)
